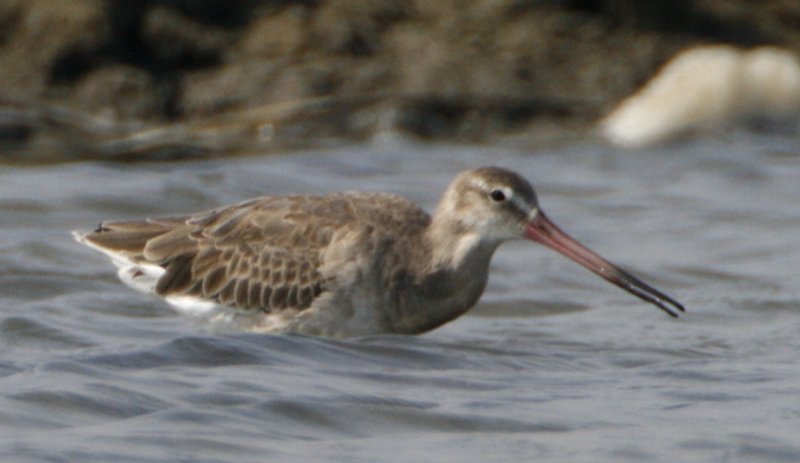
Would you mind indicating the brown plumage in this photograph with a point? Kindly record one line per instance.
(341, 265)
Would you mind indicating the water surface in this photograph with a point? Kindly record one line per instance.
(553, 365)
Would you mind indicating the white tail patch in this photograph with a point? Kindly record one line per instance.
(141, 277)
(194, 306)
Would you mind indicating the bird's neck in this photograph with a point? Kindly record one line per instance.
(453, 247)
(451, 279)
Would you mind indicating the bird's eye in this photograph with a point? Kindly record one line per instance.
(498, 195)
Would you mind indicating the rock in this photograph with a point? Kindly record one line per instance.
(45, 43)
(451, 69)
(177, 41)
(708, 87)
(120, 92)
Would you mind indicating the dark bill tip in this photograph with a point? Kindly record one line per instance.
(543, 231)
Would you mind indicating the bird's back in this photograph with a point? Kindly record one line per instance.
(272, 254)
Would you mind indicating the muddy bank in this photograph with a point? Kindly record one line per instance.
(303, 71)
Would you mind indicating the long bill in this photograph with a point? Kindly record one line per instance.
(541, 230)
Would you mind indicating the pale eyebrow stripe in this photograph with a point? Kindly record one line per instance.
(515, 199)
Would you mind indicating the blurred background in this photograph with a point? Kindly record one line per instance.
(79, 78)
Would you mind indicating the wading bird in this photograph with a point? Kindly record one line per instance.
(345, 264)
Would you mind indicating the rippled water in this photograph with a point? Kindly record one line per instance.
(553, 365)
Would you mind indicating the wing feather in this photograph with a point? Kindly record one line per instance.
(265, 254)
